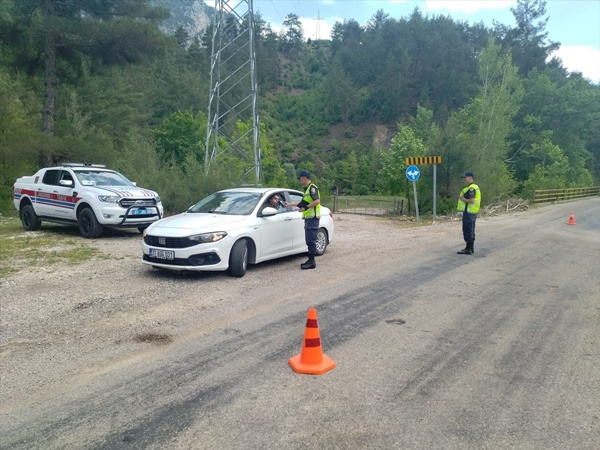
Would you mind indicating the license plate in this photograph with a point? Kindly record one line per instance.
(139, 212)
(162, 254)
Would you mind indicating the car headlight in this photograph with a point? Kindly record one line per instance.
(208, 237)
(108, 198)
(157, 197)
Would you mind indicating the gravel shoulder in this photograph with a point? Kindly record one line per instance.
(65, 324)
(433, 349)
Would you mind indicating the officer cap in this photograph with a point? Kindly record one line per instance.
(467, 174)
(304, 173)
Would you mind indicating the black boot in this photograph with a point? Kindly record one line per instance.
(472, 247)
(466, 250)
(310, 264)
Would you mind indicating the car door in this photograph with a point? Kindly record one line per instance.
(55, 195)
(64, 203)
(44, 193)
(297, 224)
(277, 235)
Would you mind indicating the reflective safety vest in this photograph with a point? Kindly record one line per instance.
(472, 208)
(315, 211)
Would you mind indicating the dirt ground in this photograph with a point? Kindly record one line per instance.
(72, 322)
(76, 320)
(433, 349)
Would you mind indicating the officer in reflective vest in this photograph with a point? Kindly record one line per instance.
(310, 207)
(468, 204)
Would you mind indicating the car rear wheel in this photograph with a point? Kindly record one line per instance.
(322, 241)
(238, 259)
(30, 219)
(89, 227)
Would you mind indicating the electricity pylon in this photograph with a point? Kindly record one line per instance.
(233, 85)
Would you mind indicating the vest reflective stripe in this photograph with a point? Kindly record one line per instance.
(472, 208)
(314, 211)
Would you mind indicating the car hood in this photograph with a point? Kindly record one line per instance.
(185, 224)
(121, 191)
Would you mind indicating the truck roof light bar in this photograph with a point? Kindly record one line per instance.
(100, 166)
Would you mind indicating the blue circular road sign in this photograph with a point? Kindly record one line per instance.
(413, 173)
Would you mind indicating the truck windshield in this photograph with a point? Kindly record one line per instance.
(90, 177)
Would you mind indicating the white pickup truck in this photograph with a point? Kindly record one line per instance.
(86, 195)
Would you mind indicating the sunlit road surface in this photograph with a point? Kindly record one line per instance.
(433, 350)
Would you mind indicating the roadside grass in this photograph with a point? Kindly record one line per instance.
(20, 249)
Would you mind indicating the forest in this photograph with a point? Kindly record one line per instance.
(99, 82)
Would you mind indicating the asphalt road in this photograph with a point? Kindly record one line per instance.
(433, 350)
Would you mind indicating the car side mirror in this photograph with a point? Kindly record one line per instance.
(268, 211)
(68, 183)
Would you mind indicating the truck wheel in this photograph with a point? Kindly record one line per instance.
(238, 259)
(30, 219)
(322, 241)
(89, 227)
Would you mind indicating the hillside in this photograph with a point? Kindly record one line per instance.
(107, 85)
(192, 15)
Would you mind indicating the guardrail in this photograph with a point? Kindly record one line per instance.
(552, 195)
(366, 206)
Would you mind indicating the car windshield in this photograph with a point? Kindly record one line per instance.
(90, 177)
(227, 202)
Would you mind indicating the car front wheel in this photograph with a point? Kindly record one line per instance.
(89, 227)
(322, 241)
(238, 260)
(30, 219)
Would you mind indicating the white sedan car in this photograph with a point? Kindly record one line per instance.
(229, 230)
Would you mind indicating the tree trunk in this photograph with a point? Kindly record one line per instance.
(49, 73)
(49, 86)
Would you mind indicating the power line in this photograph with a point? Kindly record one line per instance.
(300, 8)
(275, 8)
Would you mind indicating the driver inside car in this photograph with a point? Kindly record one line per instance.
(275, 201)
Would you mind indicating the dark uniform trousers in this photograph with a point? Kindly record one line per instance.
(311, 230)
(468, 226)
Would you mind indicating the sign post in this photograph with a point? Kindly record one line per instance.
(435, 160)
(413, 174)
(434, 190)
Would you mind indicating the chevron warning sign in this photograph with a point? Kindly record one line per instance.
(423, 160)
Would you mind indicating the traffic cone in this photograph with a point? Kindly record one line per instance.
(571, 220)
(311, 360)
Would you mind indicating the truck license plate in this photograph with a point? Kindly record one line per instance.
(162, 254)
(139, 212)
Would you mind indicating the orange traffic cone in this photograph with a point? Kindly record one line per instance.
(571, 220)
(311, 360)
